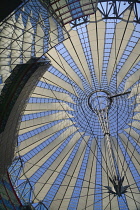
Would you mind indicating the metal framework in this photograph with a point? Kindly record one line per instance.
(77, 13)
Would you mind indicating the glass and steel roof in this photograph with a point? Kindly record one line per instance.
(89, 96)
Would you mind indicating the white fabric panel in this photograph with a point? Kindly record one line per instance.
(46, 93)
(60, 4)
(16, 46)
(53, 34)
(23, 149)
(136, 117)
(74, 44)
(54, 80)
(7, 32)
(22, 131)
(65, 34)
(135, 124)
(131, 61)
(39, 191)
(61, 65)
(135, 90)
(4, 61)
(132, 79)
(45, 119)
(137, 109)
(46, 133)
(133, 134)
(137, 101)
(6, 35)
(19, 26)
(132, 152)
(68, 27)
(27, 40)
(120, 42)
(88, 187)
(97, 48)
(39, 40)
(71, 181)
(43, 107)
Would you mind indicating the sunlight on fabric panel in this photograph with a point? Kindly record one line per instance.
(23, 148)
(131, 61)
(57, 164)
(74, 47)
(132, 79)
(50, 131)
(135, 91)
(137, 109)
(4, 52)
(39, 39)
(27, 39)
(7, 31)
(52, 79)
(61, 65)
(31, 129)
(16, 45)
(42, 107)
(53, 33)
(122, 35)
(46, 93)
(134, 135)
(45, 119)
(136, 117)
(96, 34)
(64, 12)
(135, 124)
(38, 122)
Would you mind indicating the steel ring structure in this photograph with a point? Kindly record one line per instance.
(70, 106)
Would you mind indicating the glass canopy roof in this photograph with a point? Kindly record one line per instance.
(85, 107)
